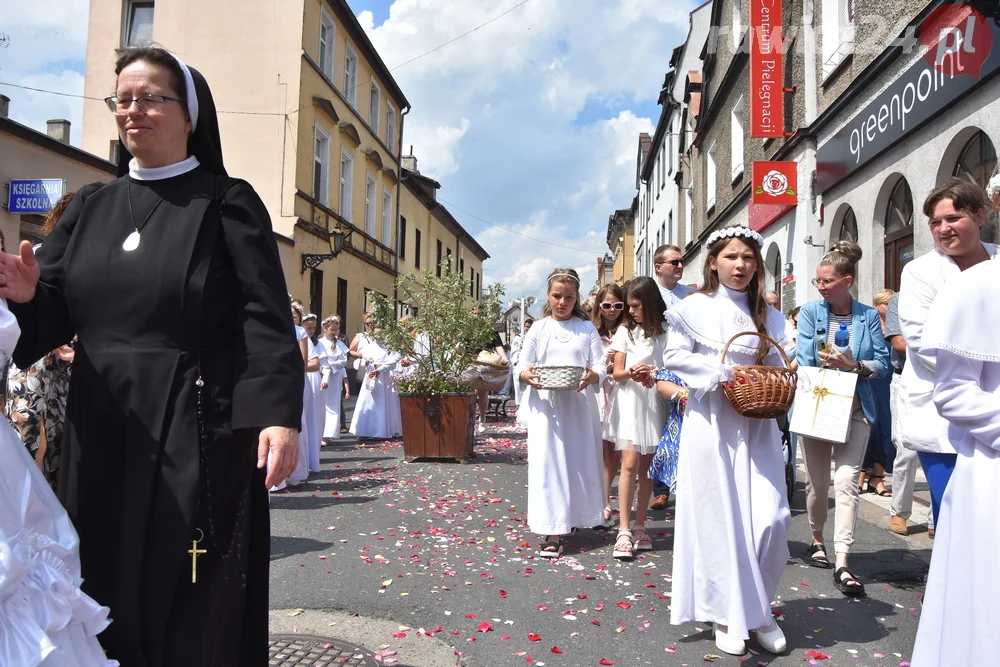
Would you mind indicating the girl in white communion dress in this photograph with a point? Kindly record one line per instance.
(45, 619)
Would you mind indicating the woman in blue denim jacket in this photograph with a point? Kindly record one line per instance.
(869, 358)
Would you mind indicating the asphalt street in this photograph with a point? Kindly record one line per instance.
(430, 563)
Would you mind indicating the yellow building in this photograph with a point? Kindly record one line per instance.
(621, 241)
(309, 115)
(428, 234)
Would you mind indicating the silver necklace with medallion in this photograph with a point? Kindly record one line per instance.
(563, 335)
(132, 240)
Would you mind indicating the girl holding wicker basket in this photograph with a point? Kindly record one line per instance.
(562, 360)
(730, 543)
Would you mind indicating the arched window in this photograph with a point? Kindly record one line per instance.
(848, 227)
(976, 163)
(978, 160)
(898, 232)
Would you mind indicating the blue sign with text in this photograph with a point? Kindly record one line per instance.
(37, 195)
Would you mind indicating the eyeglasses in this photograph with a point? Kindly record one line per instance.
(369, 324)
(120, 105)
(825, 282)
(612, 305)
(673, 262)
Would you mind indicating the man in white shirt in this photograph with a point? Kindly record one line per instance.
(669, 268)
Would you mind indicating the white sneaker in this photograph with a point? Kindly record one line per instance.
(771, 638)
(480, 426)
(727, 643)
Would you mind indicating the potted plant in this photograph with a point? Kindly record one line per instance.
(437, 344)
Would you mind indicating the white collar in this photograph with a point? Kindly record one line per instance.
(732, 295)
(159, 173)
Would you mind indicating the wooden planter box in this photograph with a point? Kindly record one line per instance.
(439, 426)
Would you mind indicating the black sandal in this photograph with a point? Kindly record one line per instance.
(551, 548)
(851, 587)
(816, 555)
(885, 493)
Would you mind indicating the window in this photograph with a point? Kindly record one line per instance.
(416, 248)
(898, 233)
(390, 127)
(448, 251)
(116, 147)
(978, 160)
(371, 187)
(438, 264)
(316, 291)
(373, 107)
(342, 303)
(710, 178)
(387, 215)
(664, 156)
(346, 184)
(461, 265)
(773, 270)
(402, 237)
(737, 138)
(321, 166)
(689, 218)
(351, 75)
(838, 33)
(737, 23)
(138, 29)
(479, 284)
(326, 32)
(472, 283)
(848, 227)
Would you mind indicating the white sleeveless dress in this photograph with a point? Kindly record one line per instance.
(45, 619)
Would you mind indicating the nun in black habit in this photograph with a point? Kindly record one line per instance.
(187, 377)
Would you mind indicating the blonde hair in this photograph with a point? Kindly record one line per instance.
(566, 277)
(843, 257)
(882, 297)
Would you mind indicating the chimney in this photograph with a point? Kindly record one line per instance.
(59, 129)
(410, 162)
(4, 106)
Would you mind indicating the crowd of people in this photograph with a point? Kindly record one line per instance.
(649, 410)
(162, 416)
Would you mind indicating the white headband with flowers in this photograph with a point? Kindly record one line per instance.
(730, 232)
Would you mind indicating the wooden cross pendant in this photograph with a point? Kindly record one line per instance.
(195, 552)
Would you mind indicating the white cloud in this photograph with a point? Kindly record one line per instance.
(48, 40)
(530, 121)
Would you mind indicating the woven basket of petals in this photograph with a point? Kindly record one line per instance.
(760, 392)
(560, 378)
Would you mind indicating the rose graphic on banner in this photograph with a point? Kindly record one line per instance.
(774, 183)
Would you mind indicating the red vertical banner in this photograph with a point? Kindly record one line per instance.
(767, 98)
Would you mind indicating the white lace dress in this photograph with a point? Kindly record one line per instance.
(45, 619)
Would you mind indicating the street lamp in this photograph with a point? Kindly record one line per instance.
(336, 238)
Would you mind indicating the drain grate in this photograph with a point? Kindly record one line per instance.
(306, 651)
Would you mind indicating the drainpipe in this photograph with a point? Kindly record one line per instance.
(399, 202)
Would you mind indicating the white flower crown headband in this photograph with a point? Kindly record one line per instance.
(730, 232)
(565, 275)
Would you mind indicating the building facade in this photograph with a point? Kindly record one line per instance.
(309, 115)
(29, 155)
(621, 241)
(872, 122)
(431, 238)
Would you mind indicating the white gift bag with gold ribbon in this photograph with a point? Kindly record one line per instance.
(824, 401)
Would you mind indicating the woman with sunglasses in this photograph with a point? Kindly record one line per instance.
(819, 322)
(608, 315)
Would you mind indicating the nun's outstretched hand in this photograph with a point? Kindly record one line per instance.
(19, 274)
(278, 449)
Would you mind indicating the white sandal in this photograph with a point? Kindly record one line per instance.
(623, 545)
